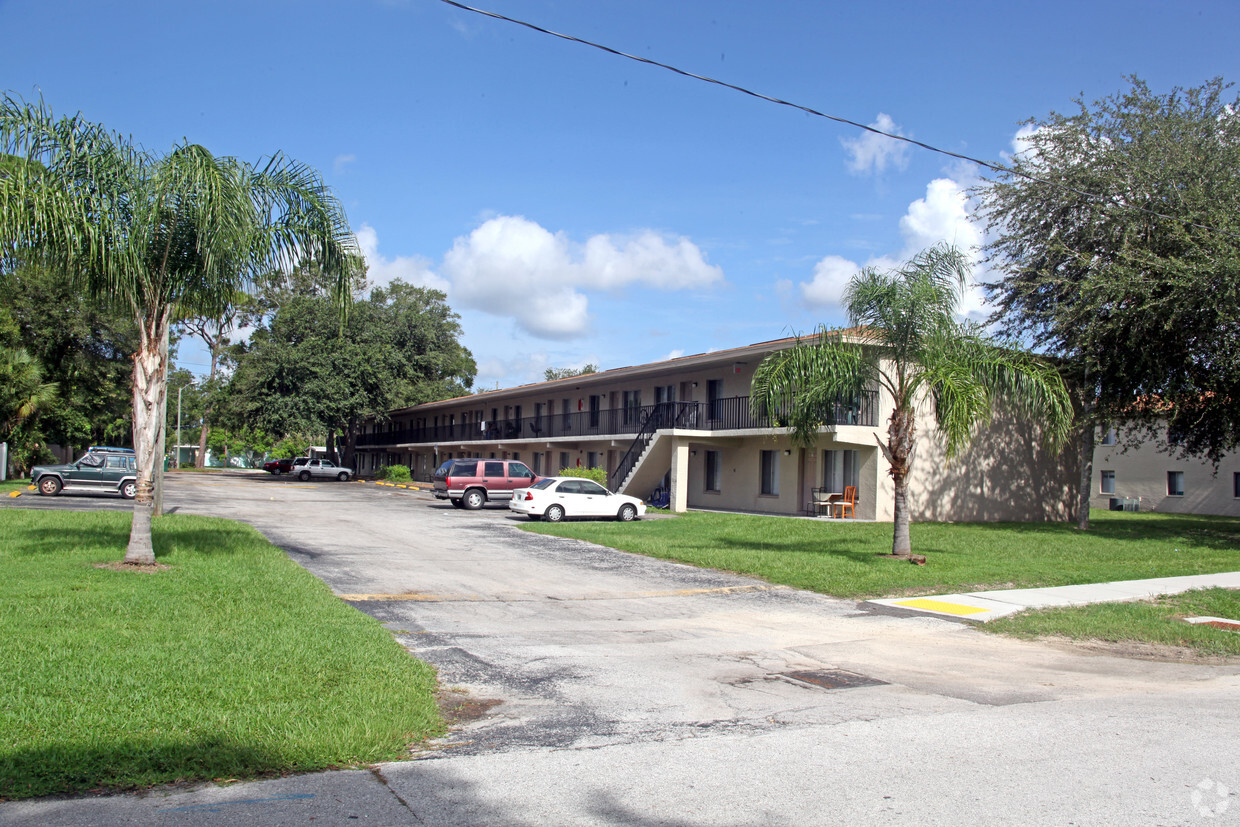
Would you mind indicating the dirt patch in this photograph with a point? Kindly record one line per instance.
(1161, 652)
(133, 567)
(458, 708)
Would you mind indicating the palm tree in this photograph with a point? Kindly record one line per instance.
(908, 342)
(159, 235)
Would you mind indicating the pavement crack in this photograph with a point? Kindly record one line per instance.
(379, 776)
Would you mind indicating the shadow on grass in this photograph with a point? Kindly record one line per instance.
(76, 768)
(1216, 533)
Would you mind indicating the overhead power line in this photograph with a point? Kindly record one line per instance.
(816, 113)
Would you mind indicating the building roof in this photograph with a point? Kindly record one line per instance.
(676, 365)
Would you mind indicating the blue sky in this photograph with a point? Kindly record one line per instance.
(578, 207)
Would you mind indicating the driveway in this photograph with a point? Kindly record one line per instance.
(617, 689)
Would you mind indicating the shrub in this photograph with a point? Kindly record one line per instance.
(395, 473)
(599, 475)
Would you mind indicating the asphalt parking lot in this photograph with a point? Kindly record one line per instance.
(616, 689)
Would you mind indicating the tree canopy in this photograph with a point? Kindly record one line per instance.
(157, 235)
(551, 374)
(1117, 241)
(304, 372)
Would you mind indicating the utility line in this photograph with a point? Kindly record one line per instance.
(810, 111)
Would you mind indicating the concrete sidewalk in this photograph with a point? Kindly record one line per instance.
(988, 605)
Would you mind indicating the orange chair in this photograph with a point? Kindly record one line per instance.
(847, 506)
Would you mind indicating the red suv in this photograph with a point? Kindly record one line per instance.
(470, 483)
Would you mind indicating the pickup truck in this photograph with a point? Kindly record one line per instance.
(281, 466)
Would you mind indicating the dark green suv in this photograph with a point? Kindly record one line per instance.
(113, 470)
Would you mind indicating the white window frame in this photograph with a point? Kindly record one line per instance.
(768, 474)
(714, 471)
(1106, 482)
(1175, 483)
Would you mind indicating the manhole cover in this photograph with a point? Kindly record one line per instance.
(834, 679)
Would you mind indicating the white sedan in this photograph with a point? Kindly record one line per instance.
(555, 498)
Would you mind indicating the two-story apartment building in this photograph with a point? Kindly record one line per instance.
(684, 425)
(1143, 477)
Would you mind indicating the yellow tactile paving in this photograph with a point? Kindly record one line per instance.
(940, 606)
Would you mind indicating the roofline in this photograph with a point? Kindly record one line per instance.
(853, 333)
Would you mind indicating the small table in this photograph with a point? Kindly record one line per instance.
(823, 501)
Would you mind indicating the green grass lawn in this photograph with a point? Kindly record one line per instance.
(846, 559)
(1159, 621)
(233, 663)
(14, 485)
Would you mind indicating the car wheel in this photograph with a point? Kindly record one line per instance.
(129, 490)
(553, 514)
(276, 471)
(474, 499)
(342, 476)
(49, 486)
(457, 503)
(304, 476)
(627, 513)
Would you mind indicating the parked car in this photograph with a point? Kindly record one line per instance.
(557, 498)
(108, 470)
(322, 469)
(279, 466)
(471, 483)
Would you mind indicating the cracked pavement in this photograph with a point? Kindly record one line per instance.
(619, 689)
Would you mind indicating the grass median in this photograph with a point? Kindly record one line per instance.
(233, 662)
(848, 559)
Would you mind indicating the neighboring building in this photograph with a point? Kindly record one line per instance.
(1144, 478)
(685, 425)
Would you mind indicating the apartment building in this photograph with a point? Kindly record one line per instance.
(684, 426)
(1144, 478)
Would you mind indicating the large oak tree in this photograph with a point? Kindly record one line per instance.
(1117, 240)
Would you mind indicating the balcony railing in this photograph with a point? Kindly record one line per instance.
(729, 414)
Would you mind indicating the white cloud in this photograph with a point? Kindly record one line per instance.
(413, 270)
(871, 151)
(512, 267)
(831, 276)
(342, 161)
(942, 215)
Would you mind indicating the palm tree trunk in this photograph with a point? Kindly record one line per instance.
(150, 385)
(899, 451)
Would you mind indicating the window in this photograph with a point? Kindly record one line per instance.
(713, 475)
(563, 460)
(632, 404)
(770, 473)
(566, 412)
(714, 394)
(538, 464)
(1175, 483)
(1235, 485)
(839, 470)
(493, 469)
(592, 459)
(1108, 436)
(595, 403)
(1107, 485)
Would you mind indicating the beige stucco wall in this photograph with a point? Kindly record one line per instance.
(1142, 472)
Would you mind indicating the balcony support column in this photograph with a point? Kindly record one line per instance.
(678, 496)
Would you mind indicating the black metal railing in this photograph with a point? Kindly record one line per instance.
(662, 415)
(732, 413)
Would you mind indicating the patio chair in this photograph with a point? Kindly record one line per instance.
(847, 506)
(820, 502)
